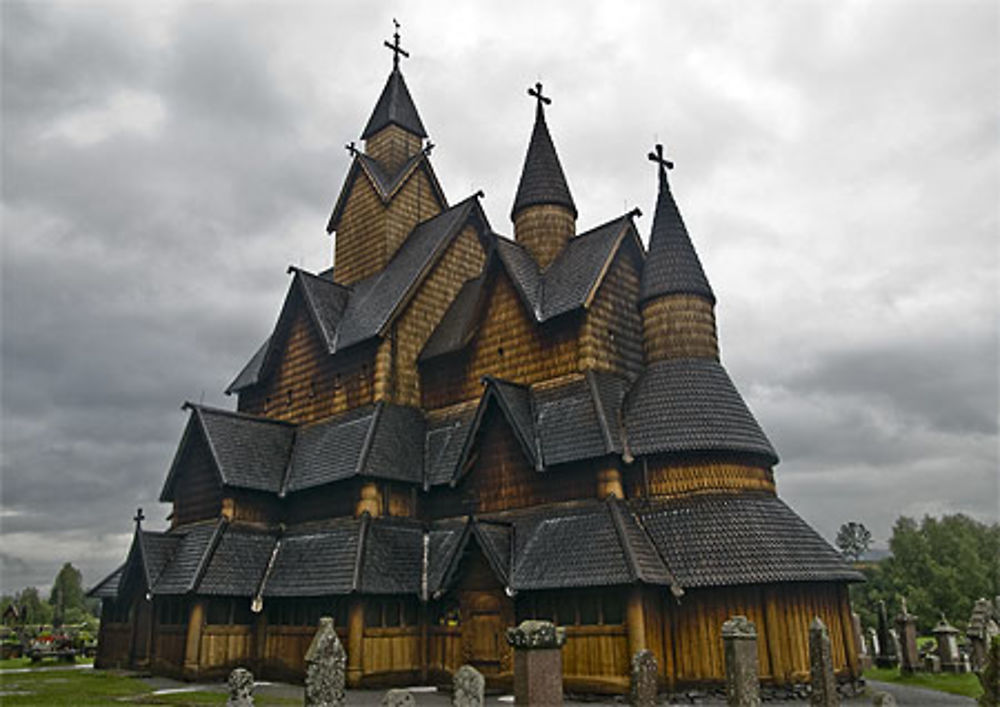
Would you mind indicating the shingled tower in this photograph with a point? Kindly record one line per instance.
(451, 431)
(544, 214)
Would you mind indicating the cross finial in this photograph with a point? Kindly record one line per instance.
(139, 517)
(396, 49)
(537, 93)
(428, 147)
(659, 158)
(351, 148)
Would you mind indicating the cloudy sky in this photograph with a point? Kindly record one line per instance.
(837, 166)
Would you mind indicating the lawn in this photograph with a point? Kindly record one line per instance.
(99, 687)
(966, 684)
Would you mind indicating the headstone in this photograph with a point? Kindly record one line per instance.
(864, 658)
(325, 668)
(537, 662)
(989, 676)
(946, 636)
(468, 688)
(240, 688)
(739, 637)
(872, 642)
(932, 664)
(886, 656)
(906, 625)
(824, 684)
(883, 699)
(644, 679)
(897, 648)
(399, 698)
(984, 624)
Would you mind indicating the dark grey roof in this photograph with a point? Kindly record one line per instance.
(157, 549)
(250, 375)
(727, 539)
(326, 301)
(496, 540)
(568, 423)
(188, 560)
(250, 452)
(445, 438)
(316, 563)
(672, 266)
(393, 557)
(691, 405)
(445, 538)
(395, 107)
(460, 320)
(381, 441)
(515, 401)
(542, 178)
(107, 588)
(238, 563)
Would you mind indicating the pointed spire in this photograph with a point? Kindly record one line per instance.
(542, 178)
(395, 106)
(672, 266)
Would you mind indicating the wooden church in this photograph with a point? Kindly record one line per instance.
(451, 430)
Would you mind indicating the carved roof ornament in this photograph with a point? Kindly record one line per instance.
(395, 48)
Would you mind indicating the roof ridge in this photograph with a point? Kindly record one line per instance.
(210, 549)
(363, 528)
(201, 408)
(611, 503)
(634, 212)
(595, 398)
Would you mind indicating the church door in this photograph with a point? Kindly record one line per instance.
(482, 617)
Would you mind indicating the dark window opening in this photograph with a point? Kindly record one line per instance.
(590, 607)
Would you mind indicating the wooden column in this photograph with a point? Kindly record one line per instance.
(774, 633)
(635, 620)
(609, 483)
(355, 641)
(370, 500)
(259, 645)
(847, 626)
(192, 645)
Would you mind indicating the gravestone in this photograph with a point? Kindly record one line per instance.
(864, 658)
(872, 642)
(399, 698)
(984, 624)
(325, 668)
(537, 662)
(932, 664)
(946, 636)
(240, 688)
(644, 679)
(883, 699)
(824, 684)
(906, 626)
(739, 637)
(468, 688)
(886, 657)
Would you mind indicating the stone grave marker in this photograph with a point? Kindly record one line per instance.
(824, 684)
(468, 688)
(739, 637)
(325, 668)
(644, 679)
(240, 688)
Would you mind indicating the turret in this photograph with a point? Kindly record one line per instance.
(544, 214)
(678, 305)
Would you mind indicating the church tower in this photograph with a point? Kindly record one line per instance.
(544, 214)
(390, 187)
(678, 305)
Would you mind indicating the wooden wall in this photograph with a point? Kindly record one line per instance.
(544, 231)
(197, 491)
(251, 506)
(113, 645)
(400, 382)
(323, 503)
(392, 146)
(308, 384)
(680, 326)
(611, 337)
(224, 647)
(596, 658)
(665, 477)
(168, 648)
(391, 650)
(508, 345)
(284, 650)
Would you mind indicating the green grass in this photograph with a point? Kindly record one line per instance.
(49, 663)
(966, 684)
(99, 687)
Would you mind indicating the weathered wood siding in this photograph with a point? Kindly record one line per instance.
(391, 650)
(392, 146)
(596, 658)
(444, 650)
(611, 336)
(400, 382)
(308, 384)
(284, 650)
(665, 477)
(251, 506)
(224, 647)
(168, 649)
(508, 345)
(544, 231)
(679, 326)
(370, 230)
(113, 645)
(197, 490)
(324, 502)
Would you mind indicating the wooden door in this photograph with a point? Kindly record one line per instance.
(482, 629)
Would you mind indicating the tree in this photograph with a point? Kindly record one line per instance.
(66, 597)
(35, 610)
(853, 539)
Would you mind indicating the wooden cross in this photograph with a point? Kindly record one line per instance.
(659, 158)
(351, 148)
(428, 147)
(396, 49)
(537, 93)
(139, 517)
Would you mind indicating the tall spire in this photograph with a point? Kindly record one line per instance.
(672, 266)
(395, 106)
(542, 178)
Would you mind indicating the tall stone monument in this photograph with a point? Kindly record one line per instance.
(537, 662)
(824, 684)
(326, 662)
(906, 627)
(946, 636)
(739, 638)
(886, 656)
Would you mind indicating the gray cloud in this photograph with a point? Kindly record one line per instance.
(837, 165)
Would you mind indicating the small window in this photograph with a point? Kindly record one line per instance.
(218, 611)
(288, 398)
(373, 613)
(391, 614)
(242, 616)
(500, 351)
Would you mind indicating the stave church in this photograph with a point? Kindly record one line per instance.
(451, 430)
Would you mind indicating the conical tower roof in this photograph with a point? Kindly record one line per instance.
(395, 107)
(672, 266)
(542, 178)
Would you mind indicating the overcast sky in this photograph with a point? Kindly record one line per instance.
(837, 166)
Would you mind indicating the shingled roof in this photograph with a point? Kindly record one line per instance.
(691, 405)
(238, 562)
(189, 559)
(672, 266)
(395, 107)
(542, 178)
(749, 538)
(317, 562)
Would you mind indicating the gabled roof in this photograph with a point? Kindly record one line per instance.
(247, 452)
(395, 107)
(445, 438)
(690, 405)
(238, 562)
(393, 559)
(189, 559)
(514, 403)
(250, 375)
(672, 266)
(386, 185)
(107, 588)
(460, 321)
(449, 541)
(378, 441)
(317, 562)
(579, 418)
(542, 179)
(747, 538)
